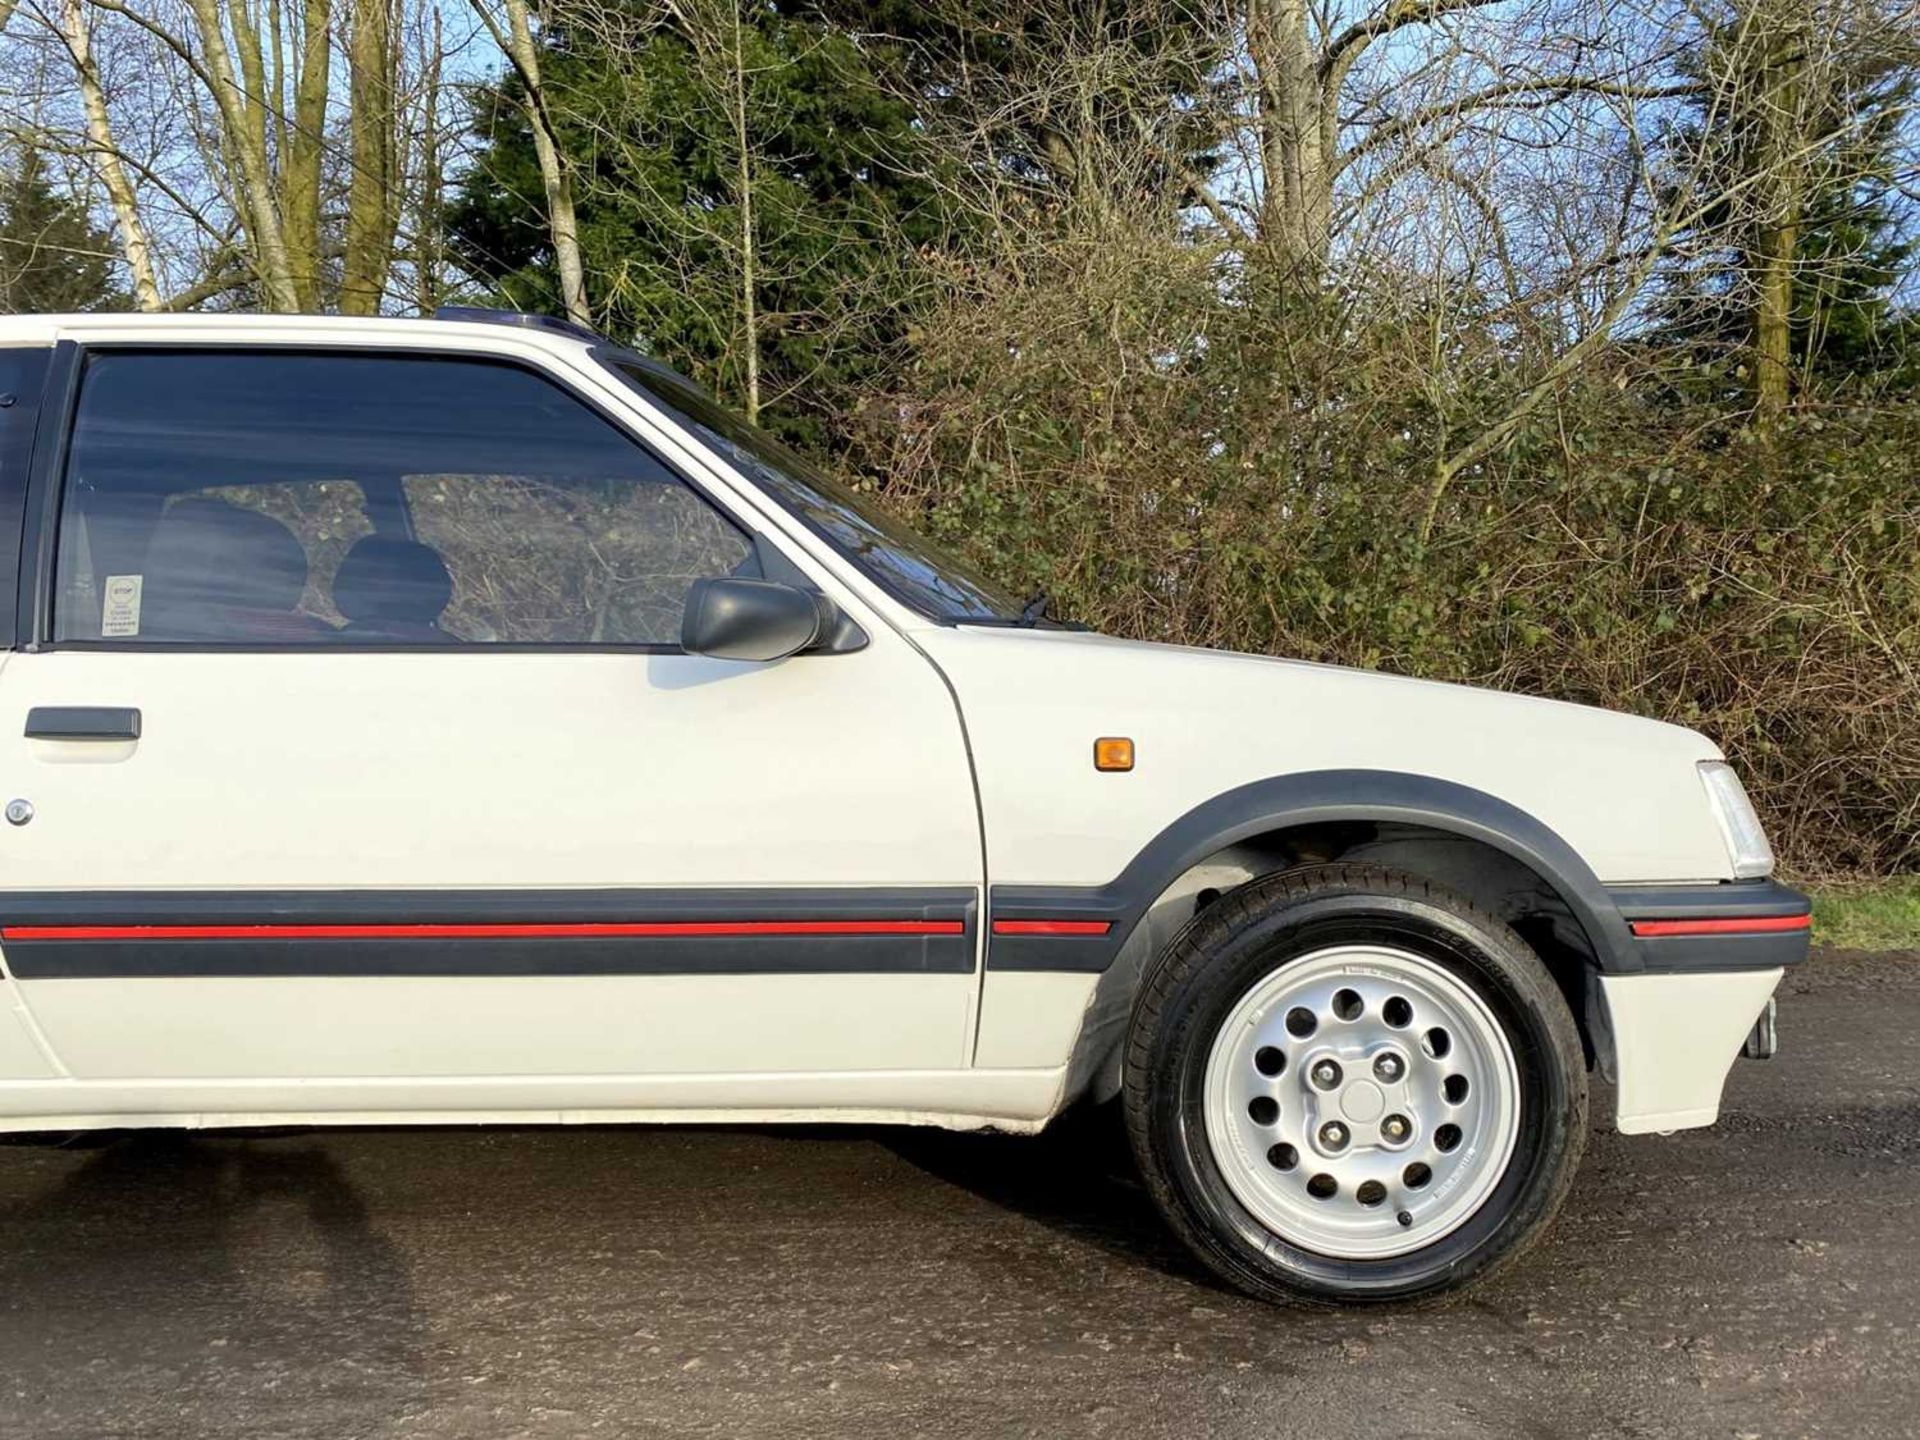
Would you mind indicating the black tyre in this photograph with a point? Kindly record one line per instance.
(1346, 1084)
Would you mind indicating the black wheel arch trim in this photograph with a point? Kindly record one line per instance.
(1286, 802)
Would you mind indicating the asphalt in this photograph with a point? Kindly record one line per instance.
(1756, 1279)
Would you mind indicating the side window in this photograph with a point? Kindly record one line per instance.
(584, 561)
(327, 518)
(265, 498)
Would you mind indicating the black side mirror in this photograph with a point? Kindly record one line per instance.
(759, 620)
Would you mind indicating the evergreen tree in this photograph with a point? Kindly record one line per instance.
(995, 68)
(1855, 249)
(831, 204)
(849, 184)
(1846, 235)
(52, 257)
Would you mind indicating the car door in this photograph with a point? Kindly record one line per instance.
(359, 748)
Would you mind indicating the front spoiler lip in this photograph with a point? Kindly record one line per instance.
(1728, 925)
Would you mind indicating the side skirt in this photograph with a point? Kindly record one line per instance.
(1014, 1100)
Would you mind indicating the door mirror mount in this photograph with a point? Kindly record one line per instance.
(736, 619)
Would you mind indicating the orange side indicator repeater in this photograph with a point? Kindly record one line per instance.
(1113, 752)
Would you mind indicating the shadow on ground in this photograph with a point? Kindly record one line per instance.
(174, 1261)
(1077, 1177)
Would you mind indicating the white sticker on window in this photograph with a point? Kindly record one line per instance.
(120, 606)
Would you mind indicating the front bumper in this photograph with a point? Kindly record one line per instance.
(1738, 925)
(1707, 960)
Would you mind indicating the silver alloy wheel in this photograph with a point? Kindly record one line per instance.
(1361, 1101)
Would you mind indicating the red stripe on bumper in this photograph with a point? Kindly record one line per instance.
(1723, 925)
(1052, 927)
(643, 929)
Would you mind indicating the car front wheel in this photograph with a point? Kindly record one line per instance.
(1346, 1084)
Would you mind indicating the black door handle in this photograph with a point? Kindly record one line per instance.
(83, 722)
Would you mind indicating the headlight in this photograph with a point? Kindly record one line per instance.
(1746, 842)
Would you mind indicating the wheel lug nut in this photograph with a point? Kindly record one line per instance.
(1333, 1135)
(1326, 1074)
(1389, 1067)
(1396, 1127)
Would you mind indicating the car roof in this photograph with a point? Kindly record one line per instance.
(45, 329)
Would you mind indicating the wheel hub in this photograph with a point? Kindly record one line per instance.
(1361, 1101)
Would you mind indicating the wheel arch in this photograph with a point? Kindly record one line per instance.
(1492, 851)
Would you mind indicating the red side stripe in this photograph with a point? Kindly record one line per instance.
(1723, 925)
(650, 928)
(1052, 927)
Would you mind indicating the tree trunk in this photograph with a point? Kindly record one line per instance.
(1295, 125)
(252, 95)
(106, 158)
(427, 234)
(247, 155)
(1773, 318)
(300, 157)
(370, 198)
(553, 171)
(1779, 102)
(749, 279)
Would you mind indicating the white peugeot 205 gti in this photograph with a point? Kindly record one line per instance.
(467, 720)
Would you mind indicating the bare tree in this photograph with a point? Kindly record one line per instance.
(301, 143)
(240, 151)
(429, 249)
(76, 29)
(1365, 97)
(718, 34)
(516, 41)
(373, 189)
